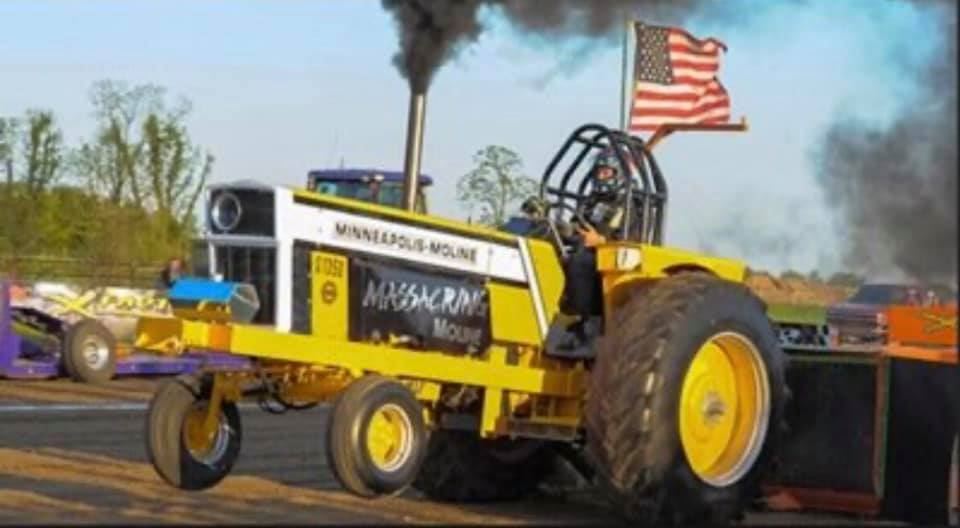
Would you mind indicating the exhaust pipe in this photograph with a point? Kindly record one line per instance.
(411, 165)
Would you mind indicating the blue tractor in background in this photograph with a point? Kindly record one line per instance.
(370, 185)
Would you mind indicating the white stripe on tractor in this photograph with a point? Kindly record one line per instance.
(317, 224)
(534, 284)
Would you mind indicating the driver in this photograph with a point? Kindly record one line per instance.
(604, 205)
(582, 294)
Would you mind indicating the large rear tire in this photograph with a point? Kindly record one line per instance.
(685, 401)
(462, 467)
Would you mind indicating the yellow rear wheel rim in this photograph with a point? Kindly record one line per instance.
(724, 409)
(389, 437)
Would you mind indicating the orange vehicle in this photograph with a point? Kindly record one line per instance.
(873, 428)
(862, 319)
(925, 333)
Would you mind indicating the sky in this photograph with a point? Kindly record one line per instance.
(279, 88)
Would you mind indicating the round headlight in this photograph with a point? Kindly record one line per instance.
(225, 211)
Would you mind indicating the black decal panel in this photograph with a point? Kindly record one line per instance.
(440, 311)
(302, 285)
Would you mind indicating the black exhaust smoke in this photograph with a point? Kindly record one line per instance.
(411, 164)
(894, 189)
(431, 32)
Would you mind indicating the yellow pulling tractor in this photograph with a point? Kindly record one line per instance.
(433, 340)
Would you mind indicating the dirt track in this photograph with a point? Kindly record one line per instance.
(74, 453)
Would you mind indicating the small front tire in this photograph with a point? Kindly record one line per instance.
(182, 452)
(376, 437)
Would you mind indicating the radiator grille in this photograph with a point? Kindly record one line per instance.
(256, 266)
(200, 259)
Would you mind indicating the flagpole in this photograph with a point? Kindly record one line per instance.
(625, 78)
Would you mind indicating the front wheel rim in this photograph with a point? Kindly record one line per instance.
(206, 446)
(724, 409)
(389, 437)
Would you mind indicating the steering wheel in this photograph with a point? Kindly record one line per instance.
(563, 235)
(559, 203)
(577, 211)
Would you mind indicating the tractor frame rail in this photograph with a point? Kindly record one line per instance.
(312, 369)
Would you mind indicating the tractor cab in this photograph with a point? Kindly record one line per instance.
(368, 185)
(570, 191)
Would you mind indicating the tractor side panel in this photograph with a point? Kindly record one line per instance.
(549, 275)
(329, 291)
(437, 310)
(514, 318)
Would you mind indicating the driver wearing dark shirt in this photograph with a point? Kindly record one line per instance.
(583, 291)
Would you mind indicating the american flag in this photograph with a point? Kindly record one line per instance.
(675, 79)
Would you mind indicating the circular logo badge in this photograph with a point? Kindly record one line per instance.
(328, 293)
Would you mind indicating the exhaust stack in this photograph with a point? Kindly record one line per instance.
(411, 165)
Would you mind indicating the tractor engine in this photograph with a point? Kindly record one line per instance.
(331, 266)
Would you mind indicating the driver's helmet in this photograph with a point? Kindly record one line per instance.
(609, 187)
(607, 158)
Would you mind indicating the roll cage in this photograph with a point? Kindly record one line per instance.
(645, 192)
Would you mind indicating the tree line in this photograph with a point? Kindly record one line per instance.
(124, 195)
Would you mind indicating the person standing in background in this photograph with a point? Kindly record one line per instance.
(172, 271)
